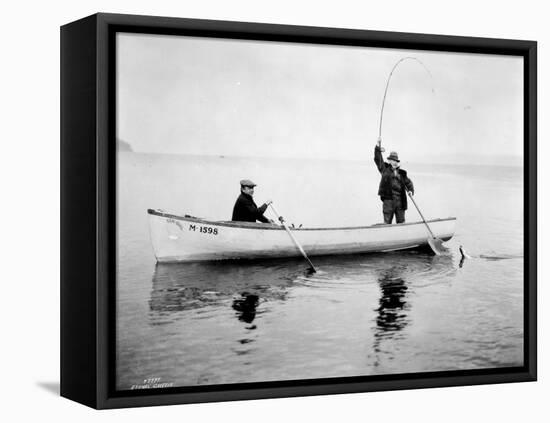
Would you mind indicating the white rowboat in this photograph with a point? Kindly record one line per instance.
(186, 238)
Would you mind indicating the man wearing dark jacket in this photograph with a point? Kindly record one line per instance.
(394, 185)
(245, 209)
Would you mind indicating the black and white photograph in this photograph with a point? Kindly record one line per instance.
(294, 211)
(279, 211)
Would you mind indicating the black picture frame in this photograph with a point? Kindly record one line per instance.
(88, 207)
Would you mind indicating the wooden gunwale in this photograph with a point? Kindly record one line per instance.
(263, 226)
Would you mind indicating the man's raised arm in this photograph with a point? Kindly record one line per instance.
(378, 159)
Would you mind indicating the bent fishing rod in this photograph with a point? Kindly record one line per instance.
(388, 84)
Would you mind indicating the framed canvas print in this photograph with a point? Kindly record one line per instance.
(255, 211)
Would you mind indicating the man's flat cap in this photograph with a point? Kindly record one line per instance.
(247, 183)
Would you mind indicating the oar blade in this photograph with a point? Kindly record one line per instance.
(437, 246)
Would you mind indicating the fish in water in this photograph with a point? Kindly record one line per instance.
(463, 253)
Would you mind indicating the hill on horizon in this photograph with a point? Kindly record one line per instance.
(123, 145)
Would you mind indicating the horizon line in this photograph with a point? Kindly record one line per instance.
(517, 160)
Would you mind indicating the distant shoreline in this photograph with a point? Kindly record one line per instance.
(505, 161)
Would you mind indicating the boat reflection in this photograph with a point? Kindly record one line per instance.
(243, 286)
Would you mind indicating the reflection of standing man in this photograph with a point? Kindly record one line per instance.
(394, 184)
(391, 315)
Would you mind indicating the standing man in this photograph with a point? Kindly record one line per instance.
(245, 209)
(394, 185)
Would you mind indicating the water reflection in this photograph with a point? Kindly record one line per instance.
(199, 294)
(392, 313)
(392, 309)
(179, 287)
(245, 306)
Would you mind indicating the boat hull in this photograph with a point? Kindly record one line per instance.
(184, 238)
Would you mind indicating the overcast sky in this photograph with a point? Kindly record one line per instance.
(189, 95)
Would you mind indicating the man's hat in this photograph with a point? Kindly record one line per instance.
(247, 183)
(393, 156)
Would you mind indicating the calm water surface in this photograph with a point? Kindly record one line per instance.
(230, 322)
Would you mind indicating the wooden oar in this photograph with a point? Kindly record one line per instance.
(294, 240)
(435, 243)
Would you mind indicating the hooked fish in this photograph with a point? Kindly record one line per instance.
(463, 253)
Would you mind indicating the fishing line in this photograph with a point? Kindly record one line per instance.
(388, 84)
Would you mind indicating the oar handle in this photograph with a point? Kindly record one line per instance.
(277, 214)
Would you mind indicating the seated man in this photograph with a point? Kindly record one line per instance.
(245, 209)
